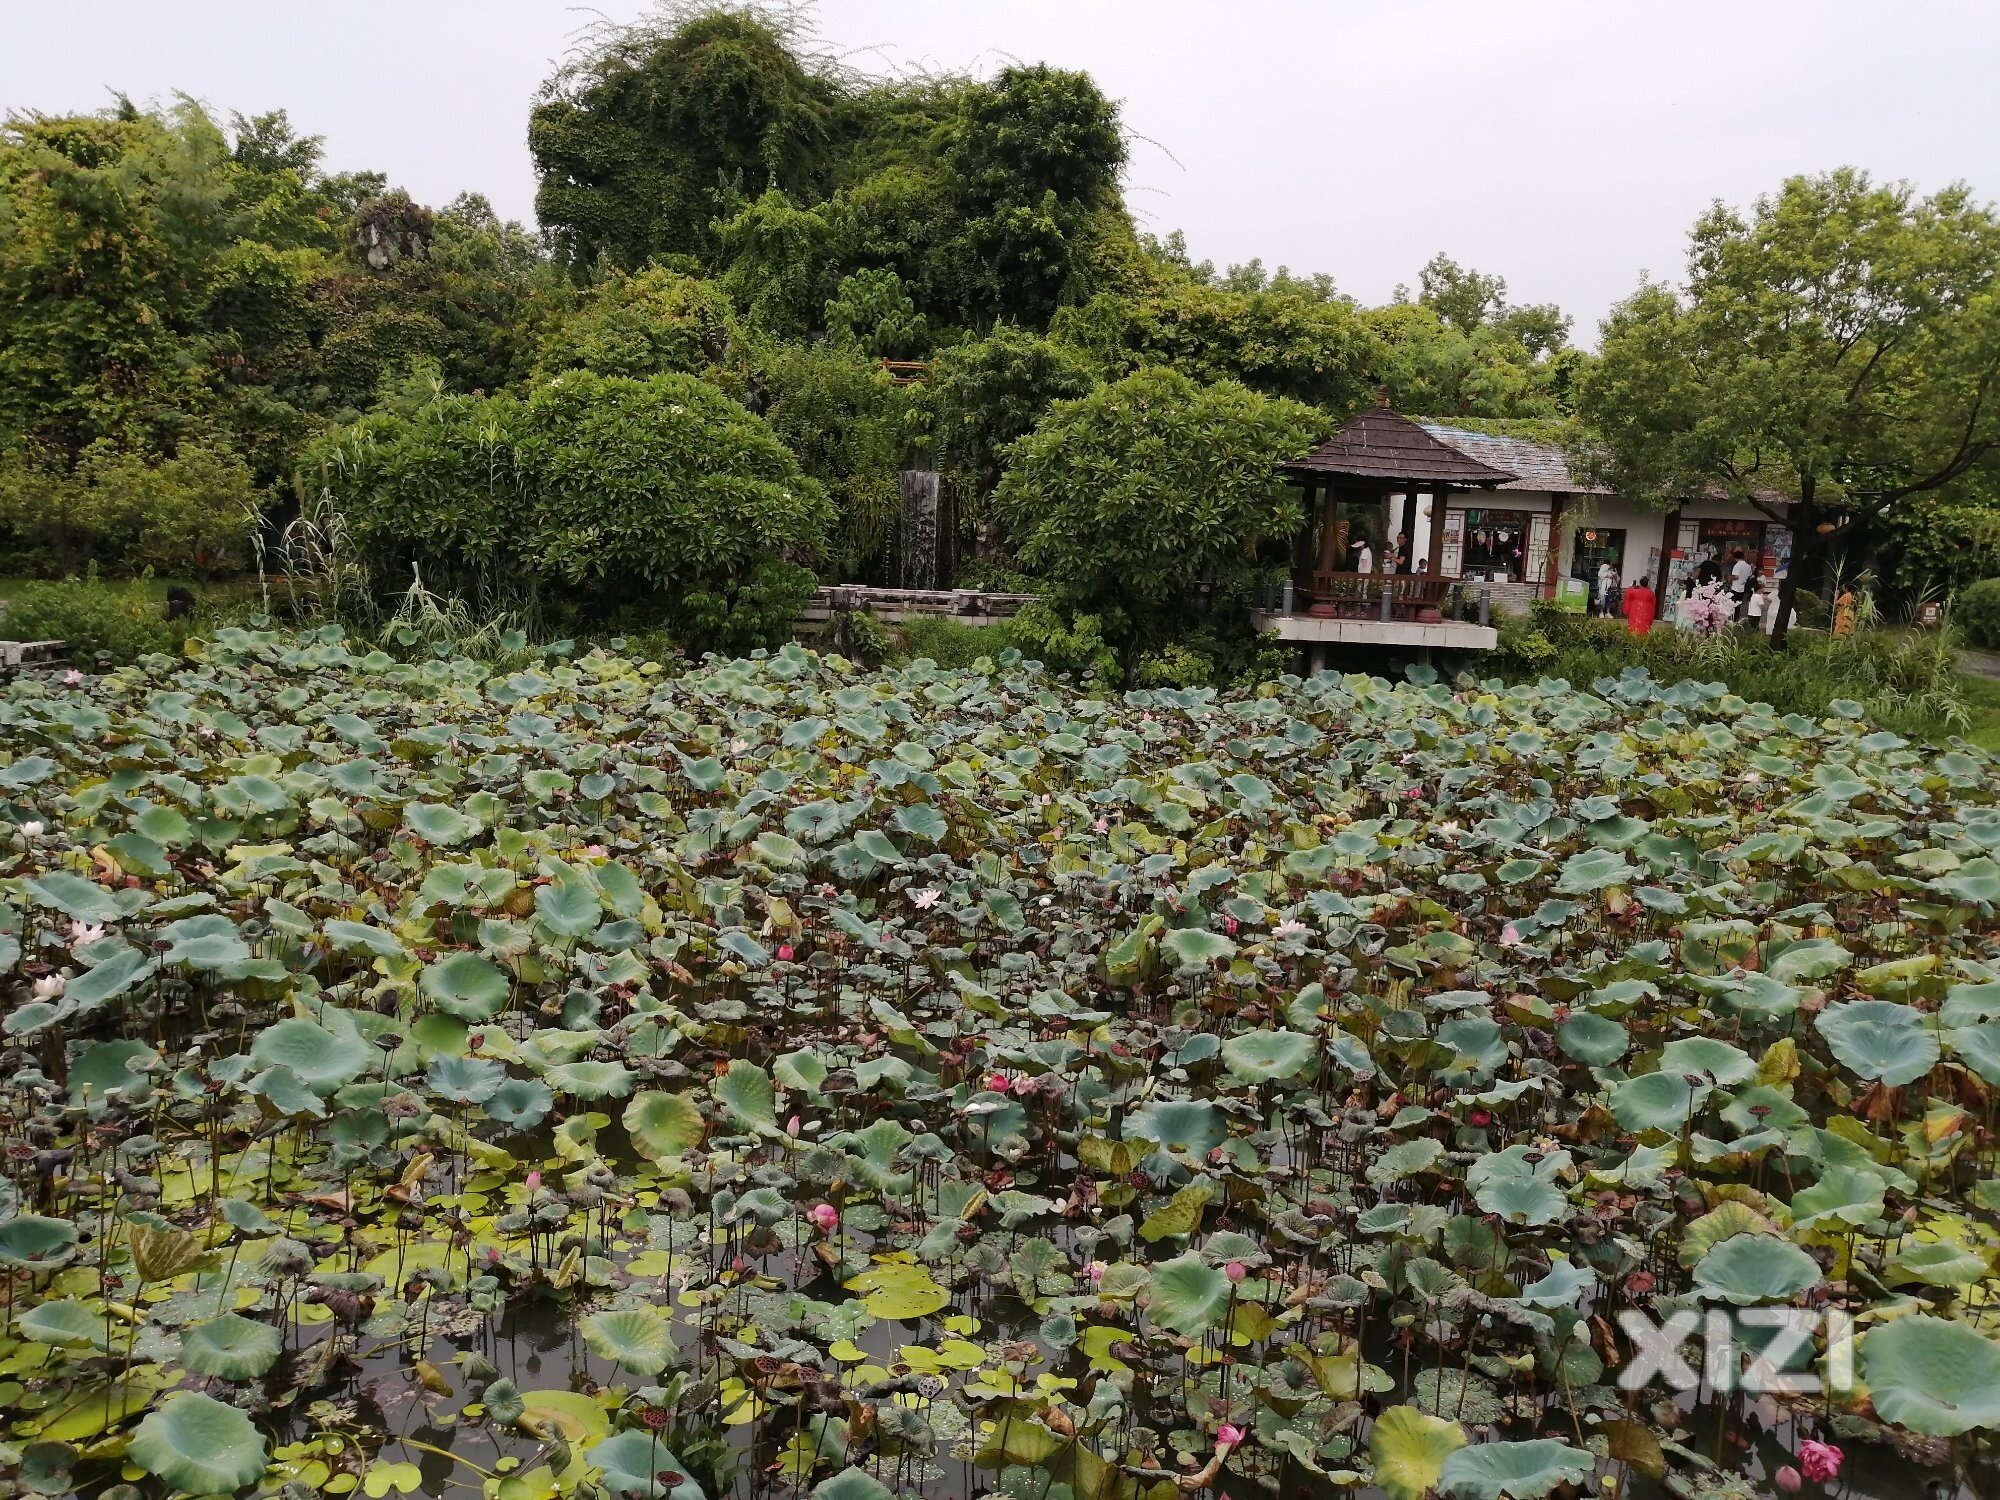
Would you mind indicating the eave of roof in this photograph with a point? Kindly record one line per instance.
(1384, 445)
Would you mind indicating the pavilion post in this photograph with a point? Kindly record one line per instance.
(1439, 495)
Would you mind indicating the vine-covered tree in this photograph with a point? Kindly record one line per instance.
(663, 126)
(1840, 343)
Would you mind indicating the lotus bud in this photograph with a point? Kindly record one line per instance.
(825, 1217)
(1228, 1435)
(1787, 1480)
(1236, 1270)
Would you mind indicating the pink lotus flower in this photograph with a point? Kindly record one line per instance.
(1236, 1270)
(1510, 936)
(72, 677)
(1787, 1480)
(1821, 1461)
(784, 953)
(792, 1126)
(534, 1182)
(1228, 1435)
(825, 1217)
(1103, 825)
(1229, 925)
(1413, 792)
(998, 1083)
(1095, 1271)
(1479, 1119)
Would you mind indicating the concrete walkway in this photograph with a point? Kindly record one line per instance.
(1980, 664)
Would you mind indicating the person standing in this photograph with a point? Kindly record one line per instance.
(1607, 589)
(1640, 607)
(1364, 556)
(1741, 574)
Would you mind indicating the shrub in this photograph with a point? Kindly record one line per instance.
(111, 622)
(1976, 611)
(620, 489)
(123, 512)
(952, 643)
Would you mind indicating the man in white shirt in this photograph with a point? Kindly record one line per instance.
(1364, 557)
(1740, 575)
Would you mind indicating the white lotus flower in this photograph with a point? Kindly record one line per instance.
(924, 900)
(50, 988)
(83, 934)
(1290, 929)
(31, 830)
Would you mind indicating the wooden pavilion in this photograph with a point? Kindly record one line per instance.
(1381, 480)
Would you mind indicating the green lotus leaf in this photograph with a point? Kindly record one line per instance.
(231, 1347)
(1197, 948)
(30, 1240)
(1188, 1295)
(1597, 1041)
(109, 978)
(1718, 1062)
(591, 1080)
(465, 1080)
(1191, 1125)
(634, 1338)
(1410, 1448)
(112, 1070)
(1512, 1471)
(1845, 1196)
(1657, 1101)
(467, 986)
(851, 1484)
(1880, 1039)
(1593, 871)
(1749, 1268)
(1978, 1047)
(323, 1056)
(1938, 1263)
(633, 1463)
(747, 1094)
(74, 897)
(1523, 1200)
(568, 909)
(207, 943)
(199, 1445)
(66, 1323)
(520, 1102)
(1814, 958)
(663, 1125)
(1932, 1375)
(435, 823)
(1268, 1056)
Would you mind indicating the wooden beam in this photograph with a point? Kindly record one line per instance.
(1440, 496)
(1552, 568)
(1670, 536)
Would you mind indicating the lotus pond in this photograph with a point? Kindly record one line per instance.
(569, 1079)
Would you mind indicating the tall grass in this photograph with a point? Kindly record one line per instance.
(1905, 680)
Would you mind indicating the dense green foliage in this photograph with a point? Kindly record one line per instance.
(1130, 498)
(643, 1066)
(1976, 611)
(1837, 344)
(616, 488)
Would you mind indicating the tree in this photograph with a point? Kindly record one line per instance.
(987, 394)
(1840, 343)
(1299, 347)
(1132, 496)
(664, 127)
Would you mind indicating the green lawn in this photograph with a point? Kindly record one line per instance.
(1982, 701)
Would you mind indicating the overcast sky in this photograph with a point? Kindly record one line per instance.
(1565, 144)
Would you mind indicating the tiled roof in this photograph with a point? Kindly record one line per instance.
(1537, 466)
(1380, 444)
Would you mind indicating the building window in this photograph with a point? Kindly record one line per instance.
(1495, 545)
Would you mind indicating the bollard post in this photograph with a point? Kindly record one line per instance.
(1286, 598)
(1485, 606)
(1387, 598)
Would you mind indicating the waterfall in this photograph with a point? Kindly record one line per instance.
(921, 540)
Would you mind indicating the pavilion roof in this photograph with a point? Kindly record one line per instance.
(1382, 444)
